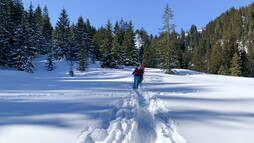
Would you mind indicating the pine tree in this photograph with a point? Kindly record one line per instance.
(72, 48)
(22, 56)
(222, 70)
(50, 62)
(148, 54)
(153, 49)
(38, 15)
(47, 30)
(139, 45)
(142, 34)
(123, 26)
(4, 33)
(250, 57)
(79, 33)
(91, 49)
(198, 58)
(97, 40)
(129, 47)
(216, 59)
(14, 25)
(235, 69)
(194, 38)
(229, 49)
(36, 40)
(28, 65)
(117, 51)
(244, 64)
(105, 47)
(166, 44)
(82, 61)
(80, 41)
(62, 36)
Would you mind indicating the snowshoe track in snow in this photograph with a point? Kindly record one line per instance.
(137, 118)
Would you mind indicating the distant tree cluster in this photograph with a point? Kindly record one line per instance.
(116, 45)
(73, 43)
(23, 34)
(225, 46)
(27, 33)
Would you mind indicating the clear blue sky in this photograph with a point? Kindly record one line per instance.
(143, 13)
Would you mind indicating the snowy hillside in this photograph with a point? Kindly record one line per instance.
(99, 105)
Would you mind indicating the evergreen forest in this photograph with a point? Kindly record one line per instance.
(224, 46)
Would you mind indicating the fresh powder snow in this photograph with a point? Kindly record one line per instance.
(100, 105)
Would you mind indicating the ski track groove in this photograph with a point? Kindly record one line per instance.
(137, 118)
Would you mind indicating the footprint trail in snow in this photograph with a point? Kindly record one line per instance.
(137, 118)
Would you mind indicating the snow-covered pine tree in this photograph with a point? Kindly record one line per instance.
(36, 40)
(143, 34)
(123, 26)
(13, 25)
(50, 62)
(22, 56)
(43, 44)
(47, 30)
(4, 32)
(72, 48)
(28, 65)
(82, 58)
(61, 36)
(82, 42)
(129, 47)
(105, 47)
(19, 36)
(19, 58)
(90, 48)
(139, 43)
(117, 51)
(38, 15)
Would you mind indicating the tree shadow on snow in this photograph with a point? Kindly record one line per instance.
(170, 92)
(211, 117)
(47, 113)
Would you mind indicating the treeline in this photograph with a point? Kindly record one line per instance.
(27, 33)
(224, 46)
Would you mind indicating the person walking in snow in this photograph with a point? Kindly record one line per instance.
(136, 77)
(141, 69)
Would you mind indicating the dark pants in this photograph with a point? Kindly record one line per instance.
(141, 78)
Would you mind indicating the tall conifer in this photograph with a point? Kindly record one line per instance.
(166, 44)
(129, 47)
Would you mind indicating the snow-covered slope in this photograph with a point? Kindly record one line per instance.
(99, 105)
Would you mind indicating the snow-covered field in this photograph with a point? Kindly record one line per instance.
(99, 105)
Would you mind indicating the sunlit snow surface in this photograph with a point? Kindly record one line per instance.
(100, 105)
